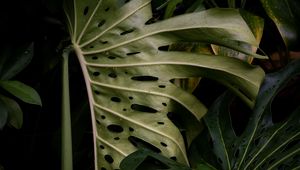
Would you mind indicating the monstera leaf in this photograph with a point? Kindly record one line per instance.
(128, 73)
(264, 144)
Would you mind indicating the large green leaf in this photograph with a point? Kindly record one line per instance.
(264, 144)
(128, 73)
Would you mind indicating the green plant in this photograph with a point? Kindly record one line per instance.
(11, 63)
(128, 73)
(265, 143)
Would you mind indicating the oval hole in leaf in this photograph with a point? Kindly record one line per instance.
(109, 159)
(142, 108)
(173, 158)
(112, 75)
(106, 9)
(139, 143)
(103, 168)
(100, 24)
(86, 10)
(144, 78)
(164, 48)
(127, 32)
(115, 128)
(115, 99)
(133, 53)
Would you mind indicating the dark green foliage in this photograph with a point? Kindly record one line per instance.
(264, 143)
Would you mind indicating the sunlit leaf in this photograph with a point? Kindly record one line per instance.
(128, 73)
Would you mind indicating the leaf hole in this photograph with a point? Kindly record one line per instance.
(163, 144)
(126, 1)
(133, 53)
(173, 158)
(102, 147)
(256, 141)
(115, 128)
(96, 73)
(131, 129)
(103, 168)
(144, 78)
(160, 123)
(116, 138)
(139, 143)
(103, 117)
(143, 108)
(95, 58)
(101, 23)
(127, 32)
(130, 98)
(164, 48)
(115, 99)
(97, 92)
(86, 10)
(111, 57)
(98, 122)
(91, 46)
(162, 86)
(104, 42)
(164, 104)
(124, 110)
(112, 75)
(107, 9)
(220, 161)
(237, 153)
(109, 159)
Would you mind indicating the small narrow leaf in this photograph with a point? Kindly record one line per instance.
(22, 91)
(15, 114)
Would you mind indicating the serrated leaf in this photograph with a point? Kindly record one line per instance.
(22, 91)
(264, 144)
(128, 74)
(3, 115)
(15, 114)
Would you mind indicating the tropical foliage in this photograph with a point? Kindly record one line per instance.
(142, 84)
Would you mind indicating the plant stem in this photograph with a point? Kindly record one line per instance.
(66, 138)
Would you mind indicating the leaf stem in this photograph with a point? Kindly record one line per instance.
(66, 138)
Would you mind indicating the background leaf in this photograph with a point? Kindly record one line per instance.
(3, 115)
(25, 93)
(14, 59)
(15, 114)
(285, 14)
(265, 143)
